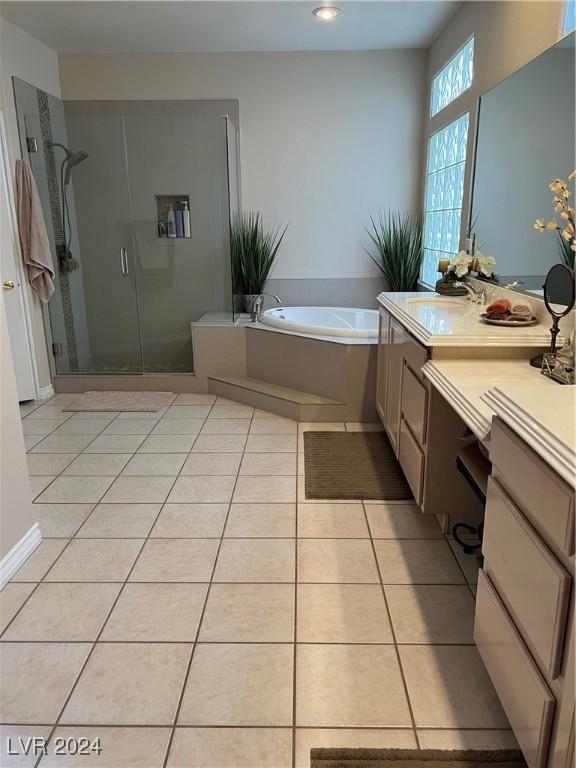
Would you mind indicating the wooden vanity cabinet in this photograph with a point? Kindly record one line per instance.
(422, 427)
(402, 398)
(524, 624)
(389, 377)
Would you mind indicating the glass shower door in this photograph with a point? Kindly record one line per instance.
(94, 312)
(179, 192)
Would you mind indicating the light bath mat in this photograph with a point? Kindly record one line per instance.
(352, 465)
(120, 401)
(415, 758)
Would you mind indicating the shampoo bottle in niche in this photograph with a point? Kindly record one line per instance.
(179, 223)
(186, 218)
(171, 222)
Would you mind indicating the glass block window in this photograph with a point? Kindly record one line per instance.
(569, 16)
(453, 79)
(444, 191)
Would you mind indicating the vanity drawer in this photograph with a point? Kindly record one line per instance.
(415, 355)
(411, 460)
(545, 499)
(414, 404)
(524, 695)
(531, 582)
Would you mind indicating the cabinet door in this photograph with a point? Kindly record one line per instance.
(383, 366)
(395, 359)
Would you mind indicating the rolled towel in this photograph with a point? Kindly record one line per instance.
(499, 308)
(521, 309)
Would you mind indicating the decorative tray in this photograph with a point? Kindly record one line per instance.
(509, 322)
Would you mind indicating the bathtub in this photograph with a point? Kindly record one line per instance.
(324, 321)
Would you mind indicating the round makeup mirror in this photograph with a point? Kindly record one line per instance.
(559, 296)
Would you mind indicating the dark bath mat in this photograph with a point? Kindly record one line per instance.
(352, 465)
(415, 758)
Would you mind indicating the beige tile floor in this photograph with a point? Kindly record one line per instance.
(190, 608)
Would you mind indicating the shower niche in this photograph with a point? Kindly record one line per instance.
(146, 216)
(173, 217)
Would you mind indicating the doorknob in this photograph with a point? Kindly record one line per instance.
(8, 285)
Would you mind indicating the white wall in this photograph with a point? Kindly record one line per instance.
(29, 59)
(16, 510)
(325, 138)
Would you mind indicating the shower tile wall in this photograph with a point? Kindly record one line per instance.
(54, 192)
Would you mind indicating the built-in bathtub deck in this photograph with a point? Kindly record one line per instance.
(298, 375)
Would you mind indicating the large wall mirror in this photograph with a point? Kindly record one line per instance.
(525, 140)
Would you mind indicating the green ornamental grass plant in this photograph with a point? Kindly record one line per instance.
(254, 251)
(397, 239)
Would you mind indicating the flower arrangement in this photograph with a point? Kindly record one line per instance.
(565, 230)
(464, 262)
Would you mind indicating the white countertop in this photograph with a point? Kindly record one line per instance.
(544, 418)
(464, 383)
(456, 323)
(541, 411)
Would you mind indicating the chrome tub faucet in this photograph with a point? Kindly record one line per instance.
(258, 305)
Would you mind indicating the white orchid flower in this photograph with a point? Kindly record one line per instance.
(485, 264)
(460, 264)
(558, 185)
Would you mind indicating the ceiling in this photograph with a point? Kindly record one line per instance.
(168, 26)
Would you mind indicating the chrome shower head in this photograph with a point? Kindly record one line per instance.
(71, 159)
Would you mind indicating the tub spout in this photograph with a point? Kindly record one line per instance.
(258, 305)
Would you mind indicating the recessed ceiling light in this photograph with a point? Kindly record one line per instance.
(326, 12)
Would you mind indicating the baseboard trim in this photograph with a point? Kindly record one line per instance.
(19, 553)
(44, 393)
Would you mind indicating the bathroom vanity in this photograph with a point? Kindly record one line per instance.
(422, 426)
(440, 371)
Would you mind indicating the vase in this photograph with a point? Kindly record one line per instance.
(248, 300)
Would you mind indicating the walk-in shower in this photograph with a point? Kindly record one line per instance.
(137, 197)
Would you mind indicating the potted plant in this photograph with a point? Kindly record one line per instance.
(565, 231)
(254, 250)
(397, 238)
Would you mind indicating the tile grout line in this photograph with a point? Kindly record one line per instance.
(263, 727)
(222, 538)
(201, 617)
(295, 633)
(460, 567)
(70, 539)
(232, 642)
(396, 649)
(98, 434)
(95, 642)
